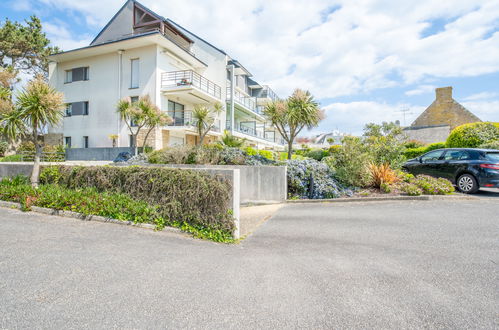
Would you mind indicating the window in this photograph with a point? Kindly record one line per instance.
(68, 110)
(67, 141)
(77, 109)
(85, 142)
(134, 99)
(432, 156)
(134, 73)
(76, 74)
(456, 155)
(176, 112)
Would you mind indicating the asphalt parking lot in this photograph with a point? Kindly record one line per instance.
(419, 264)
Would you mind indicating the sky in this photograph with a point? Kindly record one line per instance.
(363, 60)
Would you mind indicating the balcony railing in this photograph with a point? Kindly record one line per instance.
(250, 131)
(184, 118)
(246, 101)
(188, 78)
(268, 93)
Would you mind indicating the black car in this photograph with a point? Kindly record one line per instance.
(468, 169)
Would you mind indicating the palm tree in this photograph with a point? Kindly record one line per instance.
(154, 117)
(292, 115)
(37, 106)
(230, 140)
(204, 119)
(140, 114)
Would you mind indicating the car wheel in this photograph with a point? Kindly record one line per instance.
(467, 184)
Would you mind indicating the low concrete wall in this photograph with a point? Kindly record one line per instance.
(259, 184)
(96, 153)
(232, 175)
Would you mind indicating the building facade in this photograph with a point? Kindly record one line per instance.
(440, 118)
(141, 53)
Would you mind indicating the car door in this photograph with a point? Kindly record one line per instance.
(429, 162)
(454, 161)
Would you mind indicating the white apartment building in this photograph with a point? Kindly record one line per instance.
(141, 53)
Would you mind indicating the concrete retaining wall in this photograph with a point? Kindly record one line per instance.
(232, 175)
(259, 184)
(96, 153)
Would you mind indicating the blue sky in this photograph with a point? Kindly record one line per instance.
(364, 60)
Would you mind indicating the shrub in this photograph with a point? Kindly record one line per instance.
(384, 143)
(180, 195)
(381, 175)
(411, 189)
(433, 186)
(267, 154)
(250, 151)
(386, 188)
(172, 155)
(350, 163)
(416, 152)
(494, 144)
(3, 148)
(309, 178)
(12, 158)
(411, 144)
(316, 154)
(473, 135)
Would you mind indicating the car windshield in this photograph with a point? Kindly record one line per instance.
(493, 156)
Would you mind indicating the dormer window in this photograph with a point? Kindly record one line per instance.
(76, 74)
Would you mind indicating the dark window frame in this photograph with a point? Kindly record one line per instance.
(67, 141)
(86, 74)
(85, 142)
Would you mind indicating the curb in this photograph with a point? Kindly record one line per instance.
(384, 199)
(83, 217)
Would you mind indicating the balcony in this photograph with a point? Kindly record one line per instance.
(247, 102)
(184, 119)
(190, 86)
(252, 132)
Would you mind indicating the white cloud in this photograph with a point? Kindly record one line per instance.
(59, 35)
(352, 116)
(422, 89)
(362, 46)
(481, 96)
(485, 110)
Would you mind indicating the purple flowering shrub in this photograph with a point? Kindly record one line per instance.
(309, 178)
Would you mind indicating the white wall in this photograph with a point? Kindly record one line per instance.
(101, 91)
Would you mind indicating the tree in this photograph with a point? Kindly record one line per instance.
(37, 106)
(154, 116)
(140, 114)
(292, 115)
(204, 119)
(231, 141)
(25, 47)
(385, 143)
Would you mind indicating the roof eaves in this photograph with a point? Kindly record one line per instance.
(206, 42)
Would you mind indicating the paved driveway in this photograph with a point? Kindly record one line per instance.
(354, 265)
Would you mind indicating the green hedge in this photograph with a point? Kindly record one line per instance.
(416, 152)
(473, 135)
(179, 196)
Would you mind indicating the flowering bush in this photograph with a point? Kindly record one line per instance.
(309, 178)
(433, 186)
(410, 189)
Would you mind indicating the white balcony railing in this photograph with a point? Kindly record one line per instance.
(189, 78)
(184, 118)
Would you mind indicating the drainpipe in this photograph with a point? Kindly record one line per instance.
(120, 70)
(232, 89)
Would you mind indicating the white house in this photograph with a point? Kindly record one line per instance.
(141, 53)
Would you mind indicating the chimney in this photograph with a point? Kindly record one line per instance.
(444, 94)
